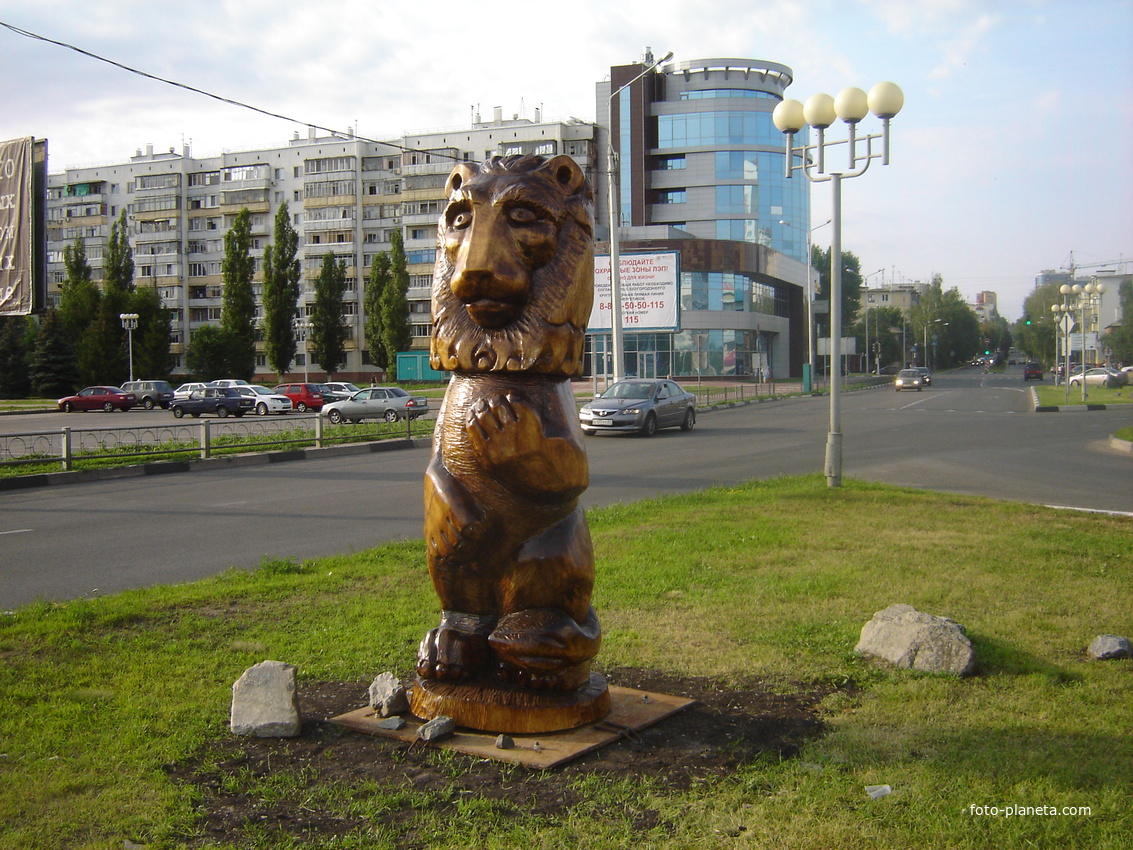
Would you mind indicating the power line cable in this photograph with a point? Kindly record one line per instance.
(227, 100)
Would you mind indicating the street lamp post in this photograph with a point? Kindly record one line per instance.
(1085, 301)
(129, 324)
(852, 105)
(302, 328)
(616, 339)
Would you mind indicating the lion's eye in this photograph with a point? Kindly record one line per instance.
(460, 220)
(522, 215)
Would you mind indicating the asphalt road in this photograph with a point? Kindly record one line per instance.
(970, 433)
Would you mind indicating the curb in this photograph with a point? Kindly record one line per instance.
(1120, 444)
(79, 476)
(1064, 408)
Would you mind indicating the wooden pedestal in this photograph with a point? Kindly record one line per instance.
(496, 707)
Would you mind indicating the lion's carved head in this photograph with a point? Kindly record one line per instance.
(514, 279)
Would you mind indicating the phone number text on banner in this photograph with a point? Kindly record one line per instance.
(649, 290)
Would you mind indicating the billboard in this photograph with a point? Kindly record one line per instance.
(649, 290)
(23, 165)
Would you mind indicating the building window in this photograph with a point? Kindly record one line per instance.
(737, 199)
(671, 196)
(670, 163)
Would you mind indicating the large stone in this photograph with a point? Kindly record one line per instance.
(265, 702)
(387, 696)
(911, 639)
(1107, 647)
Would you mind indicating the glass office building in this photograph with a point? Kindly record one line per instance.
(700, 171)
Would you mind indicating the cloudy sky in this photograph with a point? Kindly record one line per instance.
(1014, 152)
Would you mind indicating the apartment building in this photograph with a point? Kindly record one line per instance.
(344, 194)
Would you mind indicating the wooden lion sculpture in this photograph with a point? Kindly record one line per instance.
(509, 549)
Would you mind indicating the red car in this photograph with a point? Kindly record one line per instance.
(1032, 371)
(304, 396)
(98, 398)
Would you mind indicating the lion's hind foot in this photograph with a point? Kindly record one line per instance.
(457, 650)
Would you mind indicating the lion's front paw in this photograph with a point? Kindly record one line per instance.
(504, 428)
(449, 655)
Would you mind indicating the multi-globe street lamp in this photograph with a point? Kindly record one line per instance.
(1085, 301)
(129, 325)
(820, 111)
(616, 338)
(302, 329)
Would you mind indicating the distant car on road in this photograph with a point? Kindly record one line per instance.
(926, 375)
(265, 400)
(1032, 371)
(908, 379)
(98, 398)
(150, 394)
(388, 403)
(641, 405)
(219, 400)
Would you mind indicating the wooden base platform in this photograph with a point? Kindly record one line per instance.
(630, 711)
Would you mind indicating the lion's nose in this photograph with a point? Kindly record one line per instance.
(502, 282)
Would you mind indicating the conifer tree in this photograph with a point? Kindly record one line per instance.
(281, 293)
(14, 379)
(53, 371)
(396, 335)
(373, 324)
(328, 333)
(238, 311)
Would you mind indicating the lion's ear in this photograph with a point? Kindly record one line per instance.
(566, 173)
(461, 174)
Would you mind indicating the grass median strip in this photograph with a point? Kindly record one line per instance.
(106, 703)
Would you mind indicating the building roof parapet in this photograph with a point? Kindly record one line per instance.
(771, 74)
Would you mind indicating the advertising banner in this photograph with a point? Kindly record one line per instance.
(650, 293)
(17, 242)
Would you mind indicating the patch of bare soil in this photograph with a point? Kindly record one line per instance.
(729, 726)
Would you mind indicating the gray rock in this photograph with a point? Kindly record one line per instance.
(437, 729)
(265, 702)
(387, 696)
(504, 742)
(910, 639)
(393, 723)
(1106, 647)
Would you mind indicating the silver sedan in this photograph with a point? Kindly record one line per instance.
(639, 405)
(388, 403)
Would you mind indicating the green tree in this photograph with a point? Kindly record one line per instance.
(79, 297)
(884, 342)
(281, 293)
(14, 379)
(53, 369)
(328, 333)
(851, 283)
(207, 354)
(373, 324)
(152, 339)
(101, 350)
(396, 334)
(1120, 338)
(238, 309)
(118, 262)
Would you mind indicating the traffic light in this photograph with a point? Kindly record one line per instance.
(1028, 320)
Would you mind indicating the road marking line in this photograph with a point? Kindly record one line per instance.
(17, 531)
(919, 400)
(1089, 510)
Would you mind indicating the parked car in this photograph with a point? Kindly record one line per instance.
(388, 403)
(1032, 371)
(98, 398)
(342, 388)
(908, 379)
(184, 390)
(1099, 376)
(641, 405)
(330, 395)
(926, 375)
(266, 401)
(229, 382)
(150, 394)
(219, 400)
(304, 396)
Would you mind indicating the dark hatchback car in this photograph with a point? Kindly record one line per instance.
(222, 401)
(1032, 371)
(98, 398)
(151, 394)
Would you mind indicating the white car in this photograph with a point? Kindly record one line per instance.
(266, 400)
(343, 388)
(230, 382)
(184, 390)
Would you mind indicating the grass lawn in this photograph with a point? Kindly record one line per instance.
(768, 582)
(1052, 396)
